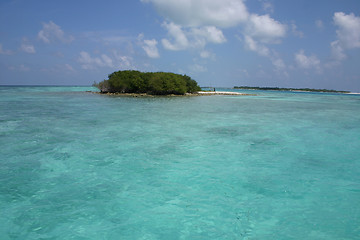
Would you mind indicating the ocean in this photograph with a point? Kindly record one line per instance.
(277, 165)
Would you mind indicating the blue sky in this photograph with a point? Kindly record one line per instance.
(220, 43)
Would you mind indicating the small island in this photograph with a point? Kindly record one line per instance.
(150, 83)
(290, 89)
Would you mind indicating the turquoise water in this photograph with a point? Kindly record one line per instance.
(279, 165)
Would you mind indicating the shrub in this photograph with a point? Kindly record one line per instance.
(156, 83)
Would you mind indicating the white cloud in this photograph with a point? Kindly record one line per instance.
(114, 61)
(69, 68)
(122, 62)
(194, 13)
(28, 48)
(220, 14)
(209, 34)
(88, 62)
(197, 68)
(261, 30)
(192, 24)
(278, 63)
(52, 32)
(307, 62)
(177, 34)
(207, 54)
(150, 47)
(348, 31)
(5, 52)
(337, 51)
(264, 51)
(265, 29)
(107, 61)
(252, 45)
(195, 37)
(348, 34)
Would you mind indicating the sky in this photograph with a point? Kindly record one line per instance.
(219, 43)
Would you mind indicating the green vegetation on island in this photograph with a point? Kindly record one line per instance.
(289, 89)
(154, 83)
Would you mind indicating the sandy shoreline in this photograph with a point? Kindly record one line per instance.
(201, 93)
(222, 93)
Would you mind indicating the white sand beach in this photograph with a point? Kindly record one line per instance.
(221, 93)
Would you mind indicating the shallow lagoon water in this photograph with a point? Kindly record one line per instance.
(279, 165)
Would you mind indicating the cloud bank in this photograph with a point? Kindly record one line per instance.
(192, 24)
(191, 13)
(348, 34)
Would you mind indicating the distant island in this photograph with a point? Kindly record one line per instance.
(152, 83)
(290, 89)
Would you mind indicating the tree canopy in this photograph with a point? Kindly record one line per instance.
(155, 83)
